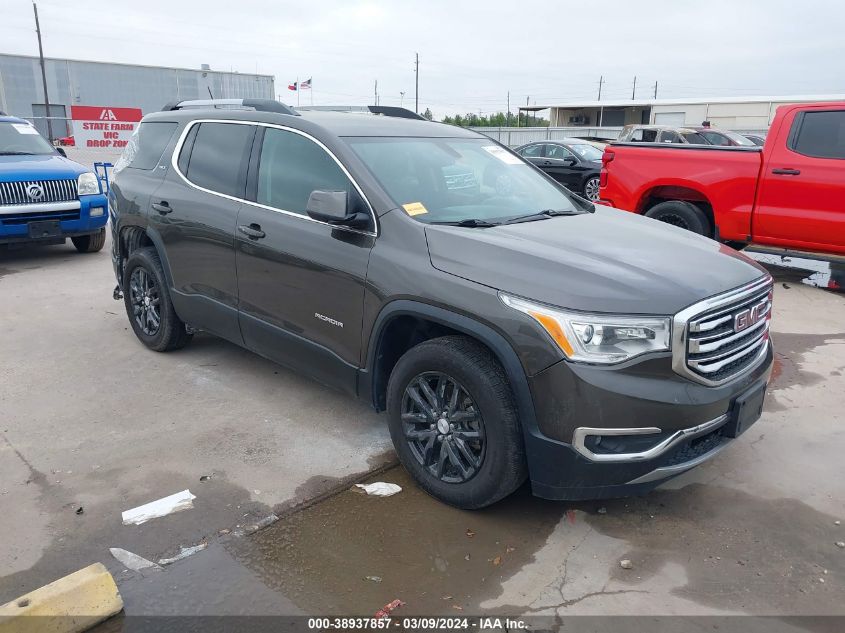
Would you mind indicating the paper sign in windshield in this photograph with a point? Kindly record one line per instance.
(503, 155)
(414, 208)
(23, 128)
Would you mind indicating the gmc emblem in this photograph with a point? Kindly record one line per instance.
(750, 316)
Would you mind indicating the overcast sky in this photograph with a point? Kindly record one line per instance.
(471, 53)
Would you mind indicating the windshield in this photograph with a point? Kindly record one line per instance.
(587, 152)
(22, 139)
(452, 180)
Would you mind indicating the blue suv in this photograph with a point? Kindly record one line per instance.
(44, 196)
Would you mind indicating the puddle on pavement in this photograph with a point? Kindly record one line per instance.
(419, 548)
(739, 551)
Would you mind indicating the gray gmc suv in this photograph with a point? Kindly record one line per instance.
(510, 329)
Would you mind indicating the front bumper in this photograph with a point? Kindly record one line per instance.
(618, 432)
(73, 220)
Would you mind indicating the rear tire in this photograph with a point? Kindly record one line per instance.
(478, 428)
(90, 243)
(148, 304)
(682, 214)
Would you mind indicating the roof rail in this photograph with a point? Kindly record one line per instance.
(260, 105)
(392, 111)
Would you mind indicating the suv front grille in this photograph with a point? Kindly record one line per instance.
(721, 338)
(51, 191)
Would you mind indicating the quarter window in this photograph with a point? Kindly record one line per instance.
(821, 134)
(291, 167)
(219, 157)
(144, 150)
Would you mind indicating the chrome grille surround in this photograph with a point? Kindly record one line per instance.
(707, 345)
(15, 193)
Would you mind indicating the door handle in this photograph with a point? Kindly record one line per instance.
(162, 207)
(781, 171)
(252, 231)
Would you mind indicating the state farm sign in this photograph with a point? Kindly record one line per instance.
(102, 126)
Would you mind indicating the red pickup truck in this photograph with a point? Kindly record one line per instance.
(789, 194)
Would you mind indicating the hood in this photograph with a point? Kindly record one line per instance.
(41, 167)
(607, 261)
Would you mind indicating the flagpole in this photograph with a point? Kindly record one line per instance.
(297, 91)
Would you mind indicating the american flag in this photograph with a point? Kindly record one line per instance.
(305, 85)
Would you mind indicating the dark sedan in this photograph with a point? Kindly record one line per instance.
(574, 163)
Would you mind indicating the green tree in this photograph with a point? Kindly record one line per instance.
(498, 119)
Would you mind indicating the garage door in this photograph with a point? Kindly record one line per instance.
(676, 119)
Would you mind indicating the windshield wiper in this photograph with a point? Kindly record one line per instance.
(472, 223)
(16, 153)
(542, 215)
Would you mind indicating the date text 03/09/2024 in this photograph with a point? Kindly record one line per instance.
(417, 623)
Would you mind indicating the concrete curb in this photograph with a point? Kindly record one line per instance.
(71, 604)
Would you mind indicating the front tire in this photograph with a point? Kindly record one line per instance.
(591, 188)
(454, 424)
(682, 214)
(90, 243)
(148, 305)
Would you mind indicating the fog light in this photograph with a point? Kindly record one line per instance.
(96, 212)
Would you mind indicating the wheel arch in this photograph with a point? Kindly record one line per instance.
(441, 322)
(131, 238)
(665, 193)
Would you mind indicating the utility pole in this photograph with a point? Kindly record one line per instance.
(601, 81)
(43, 75)
(655, 90)
(527, 105)
(401, 98)
(375, 93)
(508, 118)
(417, 84)
(634, 94)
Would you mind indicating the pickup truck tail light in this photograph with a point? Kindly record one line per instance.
(607, 157)
(603, 178)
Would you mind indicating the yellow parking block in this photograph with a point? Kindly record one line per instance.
(69, 605)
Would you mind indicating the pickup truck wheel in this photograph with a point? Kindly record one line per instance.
(591, 188)
(454, 423)
(681, 214)
(90, 243)
(148, 304)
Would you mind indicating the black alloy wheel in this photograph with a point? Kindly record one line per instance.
(443, 427)
(145, 298)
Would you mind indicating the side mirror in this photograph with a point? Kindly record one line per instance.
(61, 150)
(334, 207)
(570, 161)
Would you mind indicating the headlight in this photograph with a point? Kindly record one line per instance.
(88, 184)
(597, 338)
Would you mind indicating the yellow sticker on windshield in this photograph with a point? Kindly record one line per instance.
(414, 208)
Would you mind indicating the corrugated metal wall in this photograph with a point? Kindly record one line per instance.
(72, 82)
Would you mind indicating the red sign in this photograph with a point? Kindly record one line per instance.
(104, 126)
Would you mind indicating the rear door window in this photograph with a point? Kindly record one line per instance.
(220, 157)
(820, 134)
(532, 151)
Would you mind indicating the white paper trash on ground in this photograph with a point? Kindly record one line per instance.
(380, 489)
(132, 561)
(162, 507)
(184, 552)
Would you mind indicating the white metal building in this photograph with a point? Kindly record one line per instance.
(732, 113)
(75, 82)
